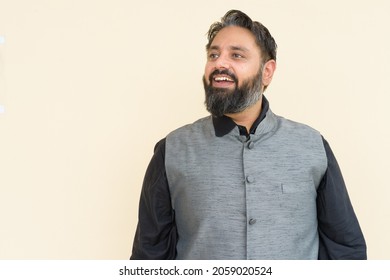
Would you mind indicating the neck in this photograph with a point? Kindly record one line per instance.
(247, 117)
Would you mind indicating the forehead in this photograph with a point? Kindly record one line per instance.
(234, 37)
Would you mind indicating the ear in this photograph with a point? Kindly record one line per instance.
(268, 72)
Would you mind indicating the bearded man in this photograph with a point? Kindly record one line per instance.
(244, 183)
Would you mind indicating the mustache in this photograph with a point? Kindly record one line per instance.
(223, 72)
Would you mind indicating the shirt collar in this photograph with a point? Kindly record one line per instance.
(223, 125)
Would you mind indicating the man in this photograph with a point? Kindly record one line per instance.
(244, 183)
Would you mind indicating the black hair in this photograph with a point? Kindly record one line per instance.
(263, 37)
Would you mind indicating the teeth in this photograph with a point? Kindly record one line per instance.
(222, 79)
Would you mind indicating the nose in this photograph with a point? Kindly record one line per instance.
(222, 62)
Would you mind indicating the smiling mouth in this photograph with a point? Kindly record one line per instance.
(222, 80)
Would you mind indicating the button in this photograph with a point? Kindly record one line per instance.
(251, 145)
(252, 221)
(250, 179)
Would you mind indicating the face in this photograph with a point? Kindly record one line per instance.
(233, 76)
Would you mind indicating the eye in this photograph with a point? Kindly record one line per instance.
(213, 56)
(237, 55)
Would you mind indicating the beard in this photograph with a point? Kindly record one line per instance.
(221, 101)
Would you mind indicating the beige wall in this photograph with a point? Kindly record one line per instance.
(88, 88)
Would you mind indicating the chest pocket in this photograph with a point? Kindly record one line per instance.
(298, 187)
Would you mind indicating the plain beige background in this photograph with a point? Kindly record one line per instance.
(88, 88)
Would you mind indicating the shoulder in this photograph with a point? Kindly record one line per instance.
(200, 126)
(297, 129)
(297, 134)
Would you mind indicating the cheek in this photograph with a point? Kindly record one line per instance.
(244, 74)
(241, 77)
(207, 70)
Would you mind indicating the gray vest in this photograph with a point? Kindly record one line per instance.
(246, 199)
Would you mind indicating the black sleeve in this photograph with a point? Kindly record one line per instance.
(341, 237)
(156, 235)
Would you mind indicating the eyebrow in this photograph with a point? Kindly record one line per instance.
(239, 48)
(233, 48)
